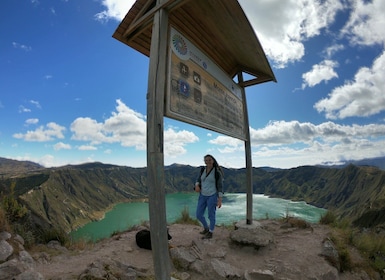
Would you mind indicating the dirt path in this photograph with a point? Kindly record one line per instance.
(294, 251)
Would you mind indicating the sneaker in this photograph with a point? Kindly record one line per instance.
(205, 231)
(208, 235)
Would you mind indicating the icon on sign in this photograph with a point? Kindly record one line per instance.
(197, 95)
(197, 78)
(183, 69)
(184, 88)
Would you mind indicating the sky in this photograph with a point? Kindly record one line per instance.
(70, 93)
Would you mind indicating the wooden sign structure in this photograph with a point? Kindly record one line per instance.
(218, 36)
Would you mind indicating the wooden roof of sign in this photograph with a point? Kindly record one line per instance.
(218, 28)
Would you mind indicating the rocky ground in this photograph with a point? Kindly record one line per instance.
(288, 252)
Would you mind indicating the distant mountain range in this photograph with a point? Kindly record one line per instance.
(377, 162)
(70, 196)
(10, 167)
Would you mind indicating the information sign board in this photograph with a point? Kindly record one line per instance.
(199, 92)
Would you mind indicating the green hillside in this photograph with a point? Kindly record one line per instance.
(71, 196)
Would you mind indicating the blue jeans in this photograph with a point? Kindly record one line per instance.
(209, 202)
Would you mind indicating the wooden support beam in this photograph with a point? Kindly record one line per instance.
(155, 156)
(249, 165)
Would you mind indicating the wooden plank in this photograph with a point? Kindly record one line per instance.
(203, 39)
(249, 164)
(219, 28)
(155, 156)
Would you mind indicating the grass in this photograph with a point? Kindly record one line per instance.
(369, 242)
(185, 218)
(4, 225)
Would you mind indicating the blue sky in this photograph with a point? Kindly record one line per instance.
(70, 93)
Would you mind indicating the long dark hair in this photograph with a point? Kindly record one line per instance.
(215, 164)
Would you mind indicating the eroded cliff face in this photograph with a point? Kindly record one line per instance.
(71, 196)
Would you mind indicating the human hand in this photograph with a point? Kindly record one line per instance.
(219, 202)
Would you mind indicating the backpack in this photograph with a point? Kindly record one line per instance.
(217, 176)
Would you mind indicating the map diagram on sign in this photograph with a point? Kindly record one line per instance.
(200, 93)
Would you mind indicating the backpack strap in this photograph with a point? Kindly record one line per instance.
(217, 176)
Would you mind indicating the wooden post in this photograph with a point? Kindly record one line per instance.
(155, 156)
(249, 165)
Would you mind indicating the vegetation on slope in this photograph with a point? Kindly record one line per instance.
(43, 204)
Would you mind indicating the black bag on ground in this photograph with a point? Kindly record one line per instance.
(143, 238)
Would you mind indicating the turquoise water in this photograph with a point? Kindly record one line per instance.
(126, 215)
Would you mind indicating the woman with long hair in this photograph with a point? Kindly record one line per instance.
(209, 184)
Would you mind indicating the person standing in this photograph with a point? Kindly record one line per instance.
(209, 184)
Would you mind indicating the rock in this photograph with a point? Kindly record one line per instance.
(182, 276)
(29, 275)
(200, 267)
(256, 237)
(19, 239)
(26, 259)
(54, 244)
(10, 269)
(6, 250)
(330, 253)
(4, 235)
(110, 269)
(225, 270)
(182, 257)
(259, 275)
(42, 258)
(19, 265)
(219, 253)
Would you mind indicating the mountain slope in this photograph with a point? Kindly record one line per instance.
(10, 167)
(71, 196)
(351, 191)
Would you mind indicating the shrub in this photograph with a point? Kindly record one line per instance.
(13, 210)
(372, 245)
(4, 225)
(340, 241)
(328, 219)
(185, 218)
(60, 235)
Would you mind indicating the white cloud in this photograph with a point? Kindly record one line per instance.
(23, 109)
(31, 121)
(35, 103)
(333, 49)
(48, 133)
(128, 128)
(319, 73)
(87, 129)
(115, 9)
(61, 146)
(21, 47)
(362, 97)
(290, 24)
(289, 144)
(316, 153)
(231, 144)
(366, 22)
(87, 148)
(293, 132)
(175, 141)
